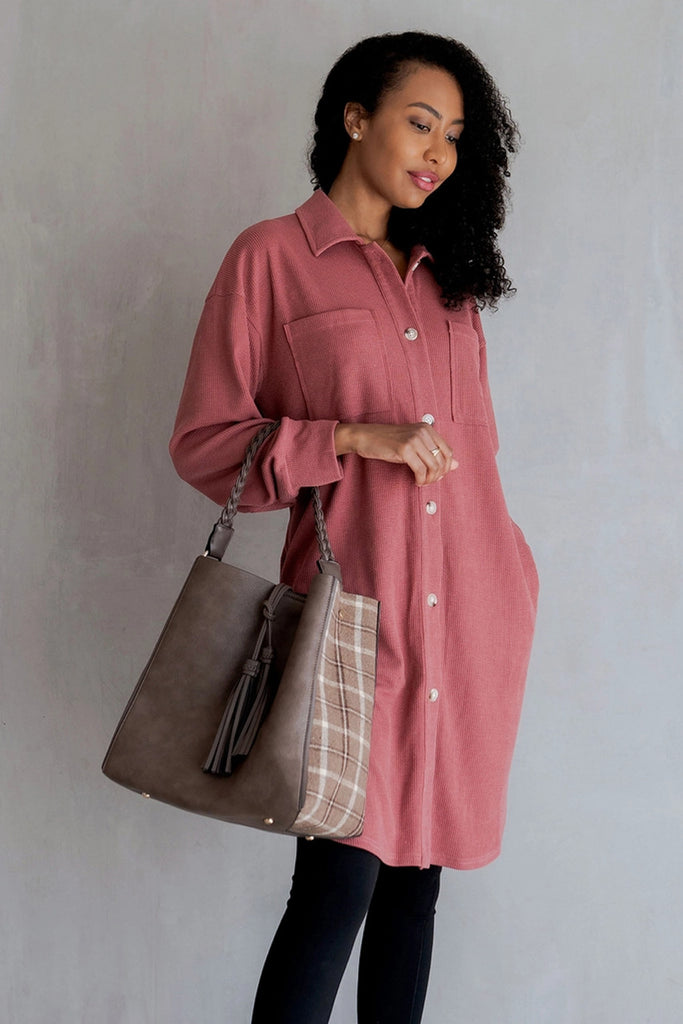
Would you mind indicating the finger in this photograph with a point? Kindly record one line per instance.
(437, 441)
(428, 455)
(446, 464)
(435, 461)
(418, 469)
(444, 455)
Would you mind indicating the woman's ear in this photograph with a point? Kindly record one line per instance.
(355, 119)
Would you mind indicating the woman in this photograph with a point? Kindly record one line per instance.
(355, 321)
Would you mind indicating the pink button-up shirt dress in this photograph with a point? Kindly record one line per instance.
(309, 324)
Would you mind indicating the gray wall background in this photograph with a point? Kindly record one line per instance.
(136, 139)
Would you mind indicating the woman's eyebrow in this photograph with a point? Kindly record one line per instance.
(426, 106)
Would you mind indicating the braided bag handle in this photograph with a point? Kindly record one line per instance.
(223, 529)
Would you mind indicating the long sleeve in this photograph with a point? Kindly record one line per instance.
(219, 414)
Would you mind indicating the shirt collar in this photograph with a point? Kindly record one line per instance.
(324, 226)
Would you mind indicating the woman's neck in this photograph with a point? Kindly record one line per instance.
(367, 215)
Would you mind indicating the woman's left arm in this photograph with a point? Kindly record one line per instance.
(218, 415)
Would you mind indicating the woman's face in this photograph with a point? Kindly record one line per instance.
(408, 147)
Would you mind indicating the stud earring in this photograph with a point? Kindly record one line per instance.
(355, 135)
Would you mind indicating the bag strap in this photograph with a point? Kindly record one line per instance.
(223, 530)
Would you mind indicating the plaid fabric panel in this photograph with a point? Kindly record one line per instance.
(340, 734)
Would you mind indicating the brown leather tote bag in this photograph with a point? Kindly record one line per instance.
(256, 704)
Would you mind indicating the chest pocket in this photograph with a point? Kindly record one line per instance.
(341, 362)
(467, 400)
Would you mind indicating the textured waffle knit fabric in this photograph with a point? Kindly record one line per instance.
(309, 324)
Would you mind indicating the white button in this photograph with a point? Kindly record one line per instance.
(432, 599)
(431, 508)
(433, 695)
(410, 333)
(428, 418)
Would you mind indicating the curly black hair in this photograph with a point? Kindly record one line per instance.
(459, 224)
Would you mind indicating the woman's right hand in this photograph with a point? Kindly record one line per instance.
(413, 444)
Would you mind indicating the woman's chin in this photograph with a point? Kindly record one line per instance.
(412, 202)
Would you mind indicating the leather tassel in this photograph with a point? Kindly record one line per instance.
(249, 724)
(236, 714)
(249, 701)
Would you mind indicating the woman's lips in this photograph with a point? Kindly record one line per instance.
(425, 181)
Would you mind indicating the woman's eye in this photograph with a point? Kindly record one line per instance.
(420, 127)
(452, 139)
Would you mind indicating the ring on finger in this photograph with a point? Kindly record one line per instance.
(435, 451)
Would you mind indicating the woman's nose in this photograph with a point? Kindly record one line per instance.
(437, 151)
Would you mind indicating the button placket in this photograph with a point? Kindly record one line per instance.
(412, 338)
(398, 295)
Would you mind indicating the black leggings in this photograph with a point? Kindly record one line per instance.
(333, 888)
